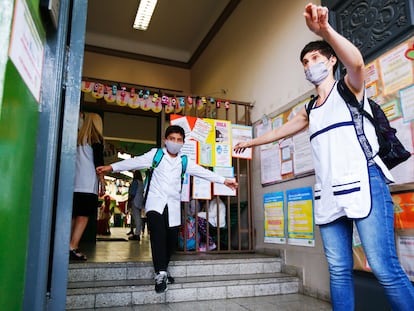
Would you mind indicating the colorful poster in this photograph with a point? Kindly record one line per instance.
(274, 219)
(396, 69)
(403, 210)
(206, 151)
(201, 130)
(300, 217)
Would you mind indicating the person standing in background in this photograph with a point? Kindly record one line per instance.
(135, 202)
(213, 218)
(88, 183)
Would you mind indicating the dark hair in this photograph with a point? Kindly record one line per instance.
(174, 129)
(321, 46)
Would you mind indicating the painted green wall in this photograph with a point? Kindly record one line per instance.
(18, 128)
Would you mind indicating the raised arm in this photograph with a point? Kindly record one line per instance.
(293, 126)
(317, 21)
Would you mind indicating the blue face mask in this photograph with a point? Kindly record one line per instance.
(173, 147)
(317, 73)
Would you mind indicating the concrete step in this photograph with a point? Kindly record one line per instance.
(99, 285)
(85, 272)
(122, 293)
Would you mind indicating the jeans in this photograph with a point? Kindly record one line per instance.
(376, 232)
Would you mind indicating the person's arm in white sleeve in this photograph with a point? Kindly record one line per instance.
(135, 163)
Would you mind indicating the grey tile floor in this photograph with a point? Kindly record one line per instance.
(117, 248)
(293, 302)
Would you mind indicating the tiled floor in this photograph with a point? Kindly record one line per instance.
(293, 302)
(117, 248)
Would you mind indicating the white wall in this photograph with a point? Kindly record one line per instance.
(131, 71)
(255, 58)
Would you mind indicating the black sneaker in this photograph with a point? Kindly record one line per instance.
(161, 282)
(134, 238)
(170, 279)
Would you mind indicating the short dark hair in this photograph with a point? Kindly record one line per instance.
(174, 129)
(321, 46)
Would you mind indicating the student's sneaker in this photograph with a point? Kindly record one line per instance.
(161, 282)
(170, 279)
(212, 247)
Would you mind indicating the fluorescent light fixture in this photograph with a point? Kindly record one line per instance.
(144, 14)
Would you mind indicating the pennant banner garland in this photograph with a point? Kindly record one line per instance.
(146, 100)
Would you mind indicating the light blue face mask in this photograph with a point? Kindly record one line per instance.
(173, 147)
(317, 73)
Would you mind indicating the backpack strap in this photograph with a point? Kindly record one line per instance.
(184, 161)
(350, 99)
(155, 162)
(311, 104)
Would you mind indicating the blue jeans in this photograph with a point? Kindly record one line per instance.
(376, 232)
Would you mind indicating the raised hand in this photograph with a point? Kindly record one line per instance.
(316, 17)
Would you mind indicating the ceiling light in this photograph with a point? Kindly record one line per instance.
(144, 13)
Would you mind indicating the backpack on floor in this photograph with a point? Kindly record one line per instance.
(391, 150)
(155, 162)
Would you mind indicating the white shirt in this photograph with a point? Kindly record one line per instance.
(342, 185)
(86, 180)
(212, 213)
(165, 186)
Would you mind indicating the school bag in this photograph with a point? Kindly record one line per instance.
(155, 161)
(391, 151)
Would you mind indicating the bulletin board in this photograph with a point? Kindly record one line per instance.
(287, 158)
(390, 82)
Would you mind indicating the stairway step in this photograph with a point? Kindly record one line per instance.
(86, 272)
(99, 294)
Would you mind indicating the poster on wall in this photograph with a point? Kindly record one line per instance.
(206, 149)
(241, 133)
(201, 188)
(26, 49)
(274, 219)
(221, 189)
(300, 221)
(223, 144)
(270, 165)
(403, 211)
(185, 189)
(190, 149)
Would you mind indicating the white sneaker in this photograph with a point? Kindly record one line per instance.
(212, 247)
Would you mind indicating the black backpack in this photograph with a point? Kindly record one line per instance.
(391, 151)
